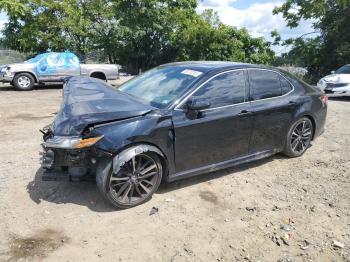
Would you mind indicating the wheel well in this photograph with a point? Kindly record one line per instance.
(313, 124)
(163, 158)
(98, 75)
(34, 77)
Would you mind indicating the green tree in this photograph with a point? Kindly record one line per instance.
(206, 38)
(13, 7)
(331, 48)
(138, 34)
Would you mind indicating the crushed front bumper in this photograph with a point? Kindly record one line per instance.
(64, 164)
(68, 163)
(5, 78)
(336, 89)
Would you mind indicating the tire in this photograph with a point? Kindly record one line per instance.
(299, 137)
(129, 188)
(23, 82)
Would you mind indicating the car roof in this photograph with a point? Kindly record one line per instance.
(207, 66)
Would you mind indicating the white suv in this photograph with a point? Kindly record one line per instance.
(338, 83)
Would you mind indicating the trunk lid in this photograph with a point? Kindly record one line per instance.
(89, 101)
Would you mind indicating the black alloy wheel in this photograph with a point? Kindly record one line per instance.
(135, 182)
(299, 137)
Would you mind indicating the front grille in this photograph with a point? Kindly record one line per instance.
(335, 85)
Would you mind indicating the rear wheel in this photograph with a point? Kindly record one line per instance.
(23, 82)
(135, 182)
(299, 137)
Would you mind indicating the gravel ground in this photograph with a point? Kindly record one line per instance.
(277, 209)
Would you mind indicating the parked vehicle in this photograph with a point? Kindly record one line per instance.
(176, 121)
(53, 67)
(336, 84)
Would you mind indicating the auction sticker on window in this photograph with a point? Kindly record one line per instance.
(191, 72)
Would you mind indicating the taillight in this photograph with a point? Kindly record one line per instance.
(324, 100)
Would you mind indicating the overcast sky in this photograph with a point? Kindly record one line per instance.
(255, 15)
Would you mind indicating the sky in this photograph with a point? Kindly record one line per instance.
(255, 15)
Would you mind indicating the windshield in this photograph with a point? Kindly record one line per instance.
(35, 59)
(162, 85)
(343, 70)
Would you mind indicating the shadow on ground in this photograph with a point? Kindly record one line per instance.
(167, 187)
(86, 193)
(83, 193)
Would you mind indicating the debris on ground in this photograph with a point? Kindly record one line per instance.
(153, 211)
(169, 200)
(337, 245)
(304, 245)
(275, 208)
(286, 227)
(285, 238)
(276, 240)
(250, 209)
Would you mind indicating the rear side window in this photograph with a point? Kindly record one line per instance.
(285, 85)
(264, 84)
(225, 89)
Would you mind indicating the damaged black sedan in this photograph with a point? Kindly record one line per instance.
(176, 121)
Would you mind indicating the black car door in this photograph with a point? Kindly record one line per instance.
(218, 133)
(272, 108)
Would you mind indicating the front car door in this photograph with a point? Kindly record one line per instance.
(272, 107)
(219, 133)
(56, 66)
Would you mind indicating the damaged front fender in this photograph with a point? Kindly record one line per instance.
(126, 155)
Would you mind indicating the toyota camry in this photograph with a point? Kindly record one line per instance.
(176, 121)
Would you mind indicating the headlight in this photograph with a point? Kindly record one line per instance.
(6, 69)
(321, 83)
(65, 142)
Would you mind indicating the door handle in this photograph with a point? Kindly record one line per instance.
(244, 112)
(292, 103)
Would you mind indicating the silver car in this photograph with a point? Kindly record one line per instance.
(336, 84)
(53, 67)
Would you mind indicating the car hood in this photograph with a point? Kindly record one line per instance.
(88, 101)
(337, 78)
(19, 66)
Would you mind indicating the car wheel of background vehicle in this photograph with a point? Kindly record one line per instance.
(23, 82)
(135, 182)
(299, 137)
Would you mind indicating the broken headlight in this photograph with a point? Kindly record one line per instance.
(66, 142)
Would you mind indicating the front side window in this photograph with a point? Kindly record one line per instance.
(264, 84)
(225, 89)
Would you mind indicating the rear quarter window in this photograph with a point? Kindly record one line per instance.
(264, 84)
(285, 85)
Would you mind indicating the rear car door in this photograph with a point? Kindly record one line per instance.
(272, 107)
(218, 133)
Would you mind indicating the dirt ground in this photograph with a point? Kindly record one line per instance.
(277, 209)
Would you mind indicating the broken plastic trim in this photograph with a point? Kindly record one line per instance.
(120, 159)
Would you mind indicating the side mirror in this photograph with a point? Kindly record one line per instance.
(332, 72)
(196, 104)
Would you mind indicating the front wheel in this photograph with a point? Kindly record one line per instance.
(299, 137)
(23, 82)
(135, 182)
